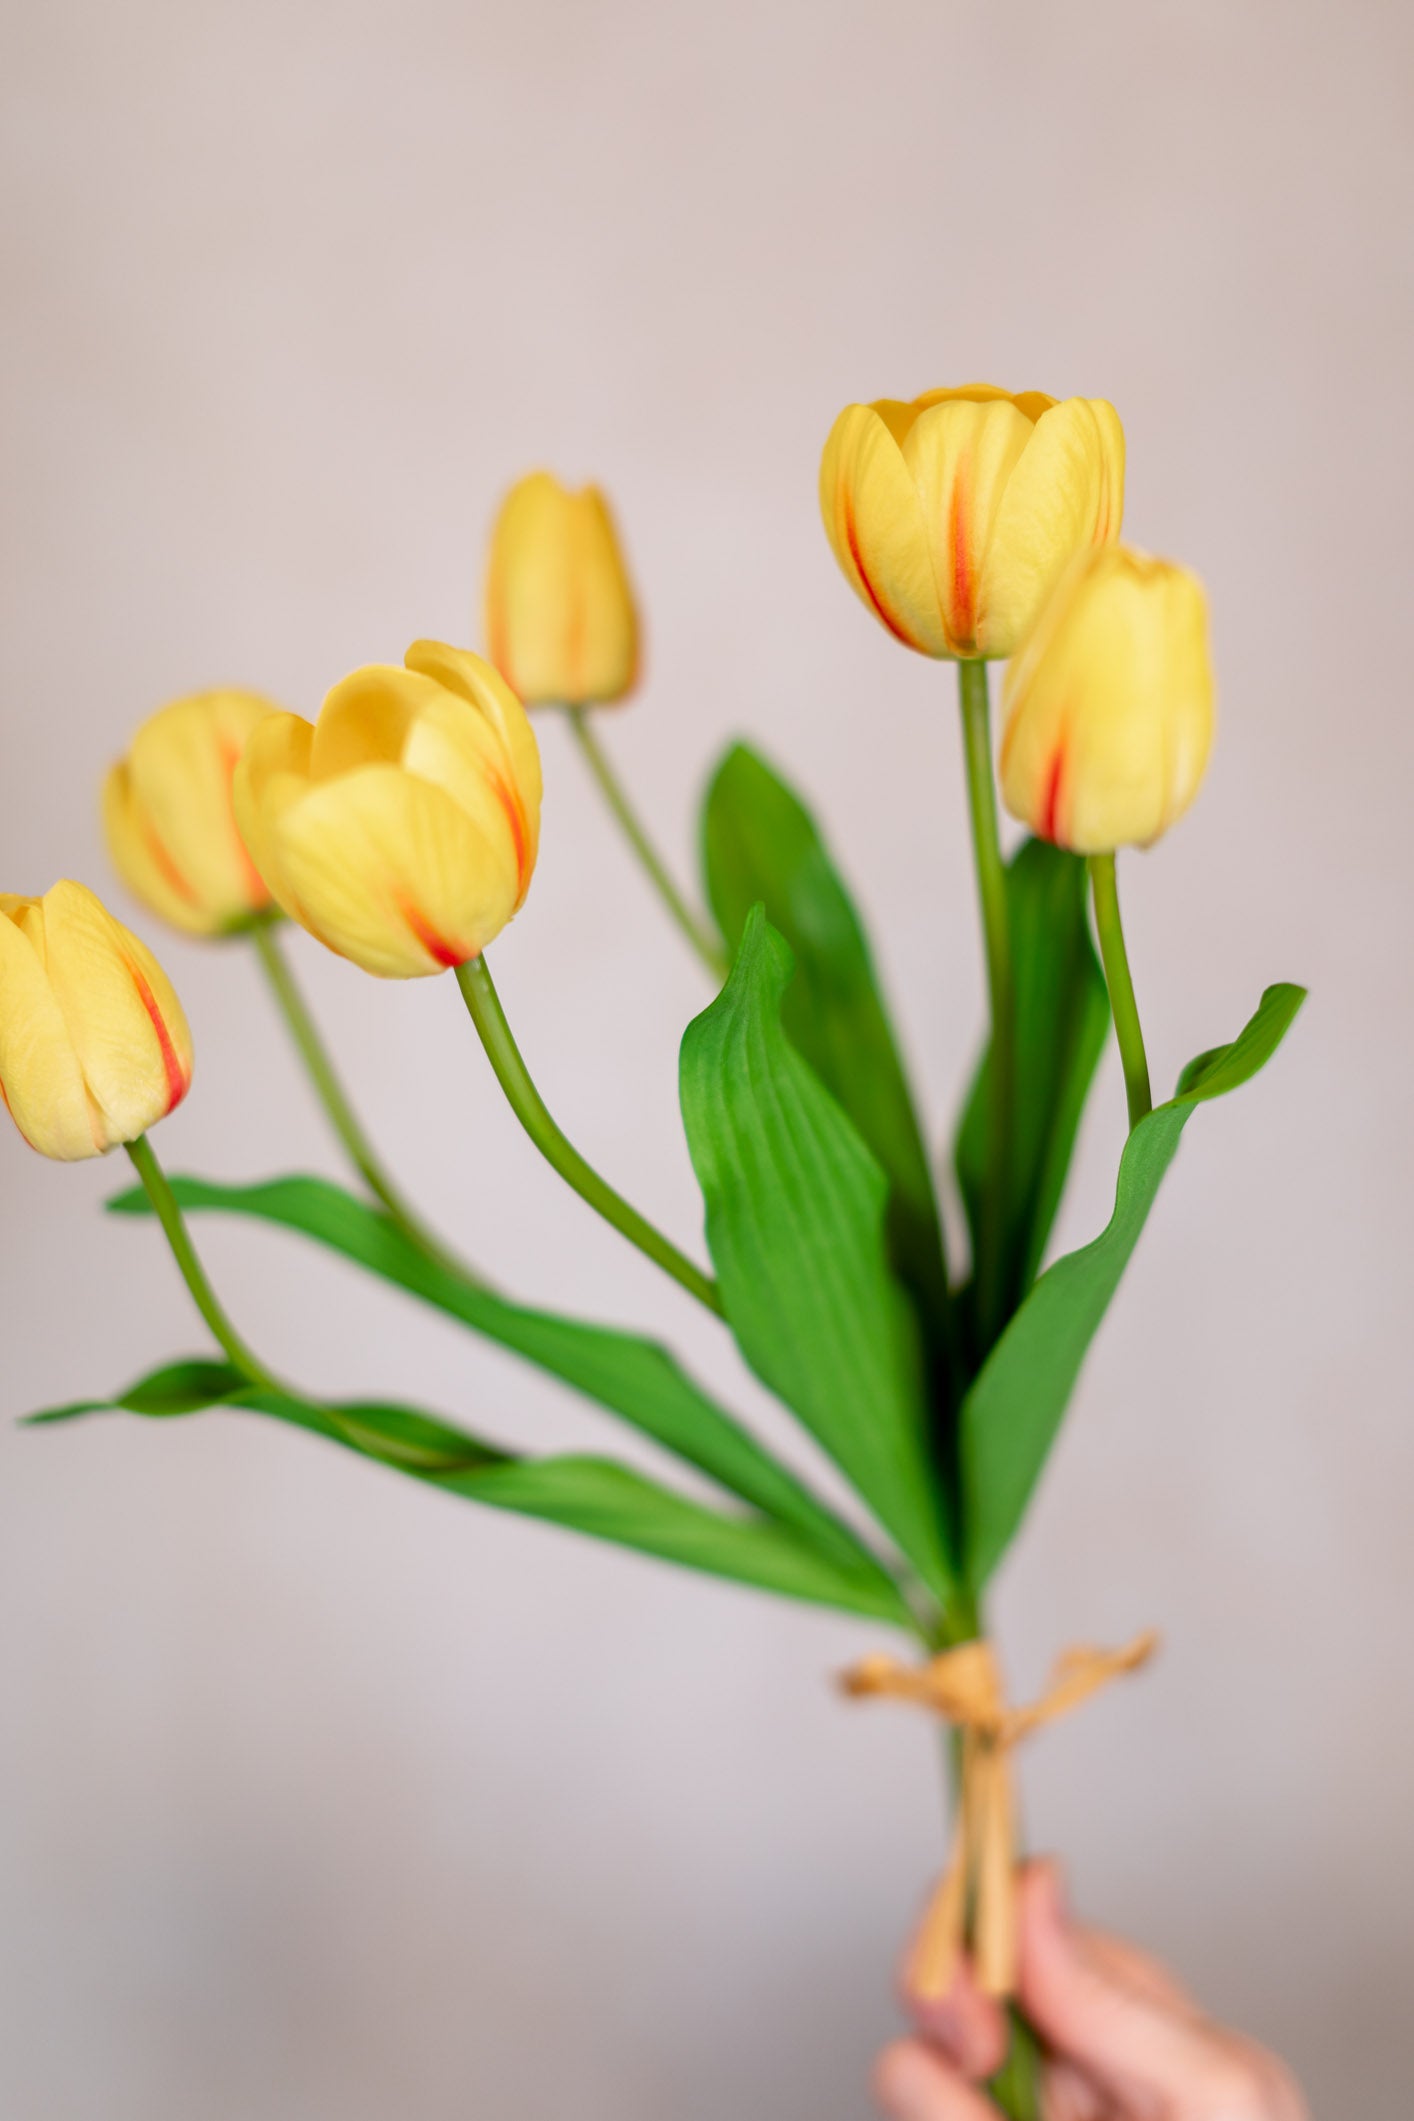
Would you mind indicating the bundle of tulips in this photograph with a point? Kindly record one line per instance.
(401, 830)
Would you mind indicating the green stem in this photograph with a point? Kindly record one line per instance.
(991, 892)
(1115, 957)
(484, 1006)
(169, 1214)
(332, 1095)
(612, 788)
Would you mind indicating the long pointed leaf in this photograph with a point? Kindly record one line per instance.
(592, 1495)
(761, 846)
(1011, 1415)
(633, 1377)
(795, 1207)
(1062, 1014)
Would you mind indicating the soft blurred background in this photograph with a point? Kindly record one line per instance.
(321, 1795)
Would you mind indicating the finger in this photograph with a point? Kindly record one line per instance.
(912, 2082)
(1130, 1968)
(968, 2026)
(1069, 2095)
(1141, 2052)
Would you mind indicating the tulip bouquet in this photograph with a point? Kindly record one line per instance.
(401, 829)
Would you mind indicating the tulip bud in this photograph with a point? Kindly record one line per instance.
(951, 517)
(169, 819)
(560, 621)
(93, 1043)
(1109, 705)
(401, 829)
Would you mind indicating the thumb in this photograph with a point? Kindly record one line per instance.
(1145, 2050)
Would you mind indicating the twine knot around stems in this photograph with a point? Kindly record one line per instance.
(977, 1896)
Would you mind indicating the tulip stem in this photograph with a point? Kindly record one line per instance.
(1001, 1071)
(696, 930)
(332, 1095)
(168, 1212)
(1125, 1009)
(484, 1005)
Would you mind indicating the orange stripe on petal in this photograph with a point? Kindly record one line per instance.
(1048, 824)
(178, 1078)
(256, 889)
(509, 801)
(964, 589)
(170, 872)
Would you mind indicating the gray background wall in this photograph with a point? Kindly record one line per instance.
(319, 1795)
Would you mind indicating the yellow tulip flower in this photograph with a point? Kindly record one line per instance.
(560, 621)
(169, 818)
(401, 830)
(1109, 705)
(952, 516)
(93, 1044)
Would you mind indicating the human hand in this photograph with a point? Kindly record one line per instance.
(1124, 2042)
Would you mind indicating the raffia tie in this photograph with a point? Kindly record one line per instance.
(964, 1686)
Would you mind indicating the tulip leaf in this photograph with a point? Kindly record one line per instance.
(633, 1377)
(1062, 1014)
(795, 1208)
(1012, 1413)
(761, 846)
(593, 1495)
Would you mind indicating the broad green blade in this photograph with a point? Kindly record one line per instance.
(795, 1225)
(762, 847)
(1062, 1014)
(596, 1496)
(1011, 1415)
(633, 1377)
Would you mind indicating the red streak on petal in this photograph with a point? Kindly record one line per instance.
(1047, 824)
(437, 947)
(178, 1080)
(851, 538)
(963, 615)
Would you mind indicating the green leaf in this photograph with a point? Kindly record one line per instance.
(177, 1388)
(1062, 1014)
(761, 846)
(596, 1496)
(1012, 1413)
(795, 1225)
(633, 1377)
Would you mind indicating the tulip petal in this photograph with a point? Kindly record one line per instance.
(272, 774)
(390, 871)
(872, 516)
(143, 860)
(1109, 706)
(123, 1018)
(40, 1077)
(475, 680)
(1065, 495)
(561, 625)
(961, 452)
(169, 816)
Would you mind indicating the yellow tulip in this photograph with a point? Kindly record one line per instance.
(952, 516)
(93, 1044)
(169, 818)
(560, 621)
(1109, 705)
(402, 828)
